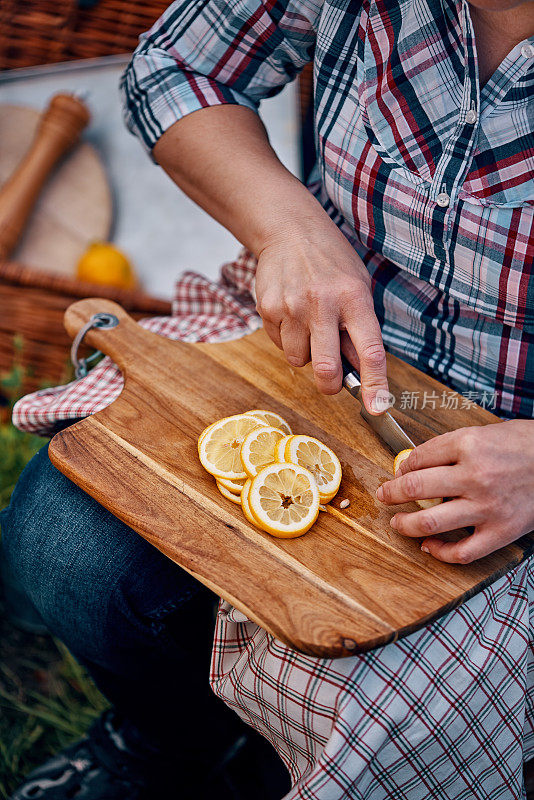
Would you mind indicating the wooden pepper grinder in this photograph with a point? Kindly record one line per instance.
(59, 130)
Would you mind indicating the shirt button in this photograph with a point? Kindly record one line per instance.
(527, 51)
(443, 199)
(471, 116)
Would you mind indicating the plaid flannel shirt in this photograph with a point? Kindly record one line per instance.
(431, 179)
(430, 176)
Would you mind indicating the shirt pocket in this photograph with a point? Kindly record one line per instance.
(500, 180)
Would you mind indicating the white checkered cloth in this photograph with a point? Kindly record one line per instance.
(444, 714)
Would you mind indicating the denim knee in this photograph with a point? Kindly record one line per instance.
(96, 583)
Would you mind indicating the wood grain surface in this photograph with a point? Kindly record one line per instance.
(74, 207)
(330, 593)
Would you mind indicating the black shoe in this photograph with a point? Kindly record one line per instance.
(96, 768)
(102, 767)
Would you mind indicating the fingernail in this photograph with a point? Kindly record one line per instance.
(424, 548)
(382, 401)
(380, 493)
(393, 522)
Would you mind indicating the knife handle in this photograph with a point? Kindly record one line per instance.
(351, 376)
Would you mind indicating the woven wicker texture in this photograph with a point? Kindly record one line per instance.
(32, 304)
(46, 31)
(34, 32)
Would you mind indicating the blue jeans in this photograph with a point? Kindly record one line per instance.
(141, 625)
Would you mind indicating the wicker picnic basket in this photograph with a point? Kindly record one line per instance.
(36, 32)
(32, 301)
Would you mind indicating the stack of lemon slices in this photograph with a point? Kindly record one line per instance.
(279, 479)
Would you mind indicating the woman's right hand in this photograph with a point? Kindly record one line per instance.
(311, 286)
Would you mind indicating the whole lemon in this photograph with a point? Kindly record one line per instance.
(105, 264)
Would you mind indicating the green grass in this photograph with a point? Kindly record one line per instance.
(16, 449)
(47, 700)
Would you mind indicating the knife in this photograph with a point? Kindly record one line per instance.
(384, 425)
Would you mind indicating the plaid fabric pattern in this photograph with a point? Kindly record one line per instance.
(429, 175)
(444, 714)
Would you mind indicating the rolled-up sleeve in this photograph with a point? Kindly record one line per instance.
(203, 53)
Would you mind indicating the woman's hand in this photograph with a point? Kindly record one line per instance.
(310, 285)
(488, 472)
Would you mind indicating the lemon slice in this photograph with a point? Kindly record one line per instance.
(235, 498)
(320, 460)
(233, 486)
(219, 449)
(280, 449)
(271, 418)
(284, 500)
(205, 431)
(426, 502)
(246, 506)
(257, 449)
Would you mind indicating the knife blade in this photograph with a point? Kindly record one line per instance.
(384, 424)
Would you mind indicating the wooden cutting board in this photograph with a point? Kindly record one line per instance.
(334, 591)
(75, 206)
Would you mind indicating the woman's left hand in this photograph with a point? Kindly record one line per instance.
(488, 472)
